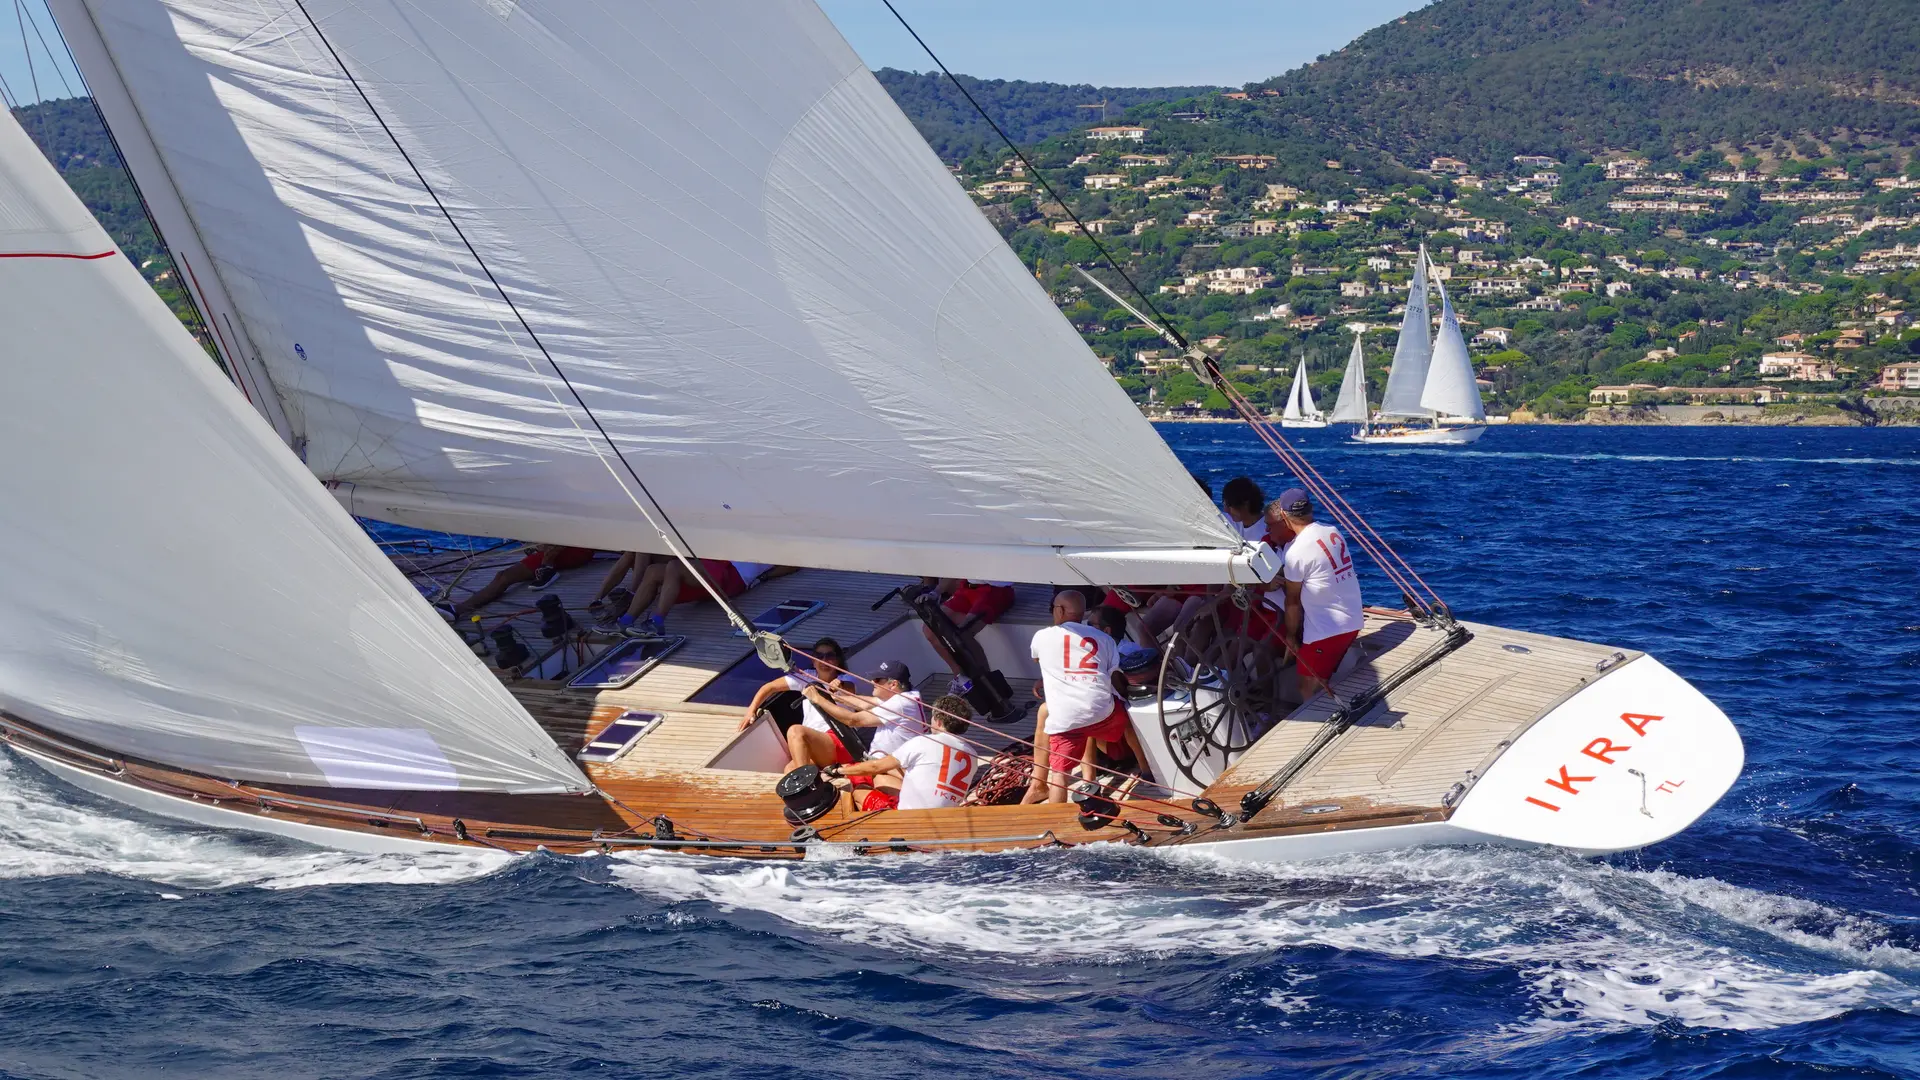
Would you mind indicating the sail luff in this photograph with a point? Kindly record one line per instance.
(764, 283)
(1451, 388)
(1351, 406)
(195, 598)
(1407, 378)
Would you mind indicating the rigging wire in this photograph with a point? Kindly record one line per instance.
(26, 49)
(676, 542)
(52, 60)
(1396, 568)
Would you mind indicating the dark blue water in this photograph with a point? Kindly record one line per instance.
(1778, 569)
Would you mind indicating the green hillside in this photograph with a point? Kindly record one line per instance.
(1483, 80)
(1027, 111)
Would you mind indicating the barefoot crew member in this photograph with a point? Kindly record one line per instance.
(1323, 606)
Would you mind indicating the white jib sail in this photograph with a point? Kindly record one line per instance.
(800, 331)
(1407, 378)
(1307, 407)
(1351, 406)
(1451, 388)
(182, 590)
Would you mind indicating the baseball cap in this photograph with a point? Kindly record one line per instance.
(890, 669)
(1293, 500)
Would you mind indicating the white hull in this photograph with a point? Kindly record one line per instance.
(1302, 423)
(1451, 435)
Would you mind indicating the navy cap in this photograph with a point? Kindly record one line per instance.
(1293, 501)
(890, 669)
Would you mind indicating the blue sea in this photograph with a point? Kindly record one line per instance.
(1777, 568)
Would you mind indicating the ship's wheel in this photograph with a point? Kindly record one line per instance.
(1215, 699)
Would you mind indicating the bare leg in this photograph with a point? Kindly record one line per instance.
(671, 579)
(1037, 780)
(493, 590)
(805, 746)
(615, 575)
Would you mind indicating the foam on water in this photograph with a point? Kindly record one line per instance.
(1597, 944)
(50, 830)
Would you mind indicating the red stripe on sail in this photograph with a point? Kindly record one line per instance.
(52, 255)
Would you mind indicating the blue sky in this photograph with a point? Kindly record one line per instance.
(1104, 42)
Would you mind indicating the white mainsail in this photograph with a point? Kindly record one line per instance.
(1451, 388)
(181, 588)
(805, 338)
(1407, 378)
(1351, 406)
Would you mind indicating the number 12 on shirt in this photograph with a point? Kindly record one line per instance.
(1089, 660)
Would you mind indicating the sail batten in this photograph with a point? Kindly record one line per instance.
(249, 629)
(1407, 378)
(770, 293)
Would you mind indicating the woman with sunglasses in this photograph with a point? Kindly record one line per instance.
(829, 666)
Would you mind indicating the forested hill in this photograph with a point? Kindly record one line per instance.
(1483, 80)
(1027, 111)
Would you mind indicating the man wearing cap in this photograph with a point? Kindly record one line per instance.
(893, 710)
(1323, 606)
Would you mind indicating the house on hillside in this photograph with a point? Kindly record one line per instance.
(1117, 132)
(1796, 367)
(1446, 166)
(1617, 395)
(1493, 335)
(1104, 181)
(1141, 161)
(1904, 376)
(1245, 161)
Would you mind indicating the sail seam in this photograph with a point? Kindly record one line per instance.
(682, 550)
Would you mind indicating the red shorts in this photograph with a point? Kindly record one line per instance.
(880, 800)
(724, 575)
(840, 755)
(1262, 622)
(1065, 749)
(1319, 658)
(985, 602)
(566, 558)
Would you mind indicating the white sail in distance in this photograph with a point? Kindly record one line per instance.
(797, 329)
(184, 592)
(1407, 378)
(1351, 406)
(1451, 387)
(1293, 410)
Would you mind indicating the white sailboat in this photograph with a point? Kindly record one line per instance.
(1351, 406)
(1301, 412)
(571, 274)
(1431, 379)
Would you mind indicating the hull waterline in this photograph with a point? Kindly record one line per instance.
(1453, 435)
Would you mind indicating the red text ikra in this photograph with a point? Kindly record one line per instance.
(1601, 751)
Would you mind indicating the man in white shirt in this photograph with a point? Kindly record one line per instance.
(1246, 506)
(929, 772)
(1076, 679)
(894, 711)
(1323, 605)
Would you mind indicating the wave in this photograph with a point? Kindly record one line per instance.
(48, 830)
(1597, 945)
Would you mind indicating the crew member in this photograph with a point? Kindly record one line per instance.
(539, 567)
(971, 606)
(1246, 507)
(928, 772)
(1076, 677)
(893, 710)
(1323, 605)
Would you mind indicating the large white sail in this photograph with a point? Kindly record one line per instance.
(1451, 388)
(1407, 378)
(181, 589)
(1351, 406)
(806, 339)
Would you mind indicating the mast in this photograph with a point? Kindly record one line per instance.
(1407, 378)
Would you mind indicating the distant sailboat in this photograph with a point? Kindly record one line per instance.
(1301, 411)
(1351, 406)
(1431, 379)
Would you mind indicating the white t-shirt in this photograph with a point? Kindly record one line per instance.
(936, 769)
(1076, 667)
(1256, 532)
(902, 716)
(810, 713)
(1317, 558)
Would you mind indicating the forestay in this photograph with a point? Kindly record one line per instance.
(793, 322)
(181, 590)
(1407, 378)
(1451, 388)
